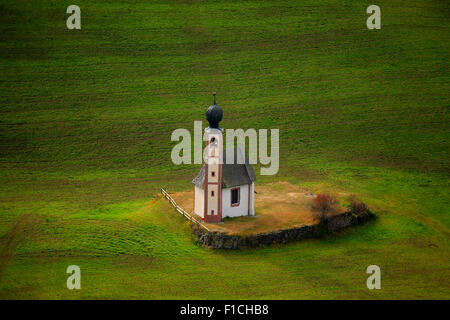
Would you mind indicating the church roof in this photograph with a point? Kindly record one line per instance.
(233, 172)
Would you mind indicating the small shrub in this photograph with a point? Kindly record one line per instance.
(323, 203)
(357, 207)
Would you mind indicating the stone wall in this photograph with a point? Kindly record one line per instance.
(218, 240)
(346, 219)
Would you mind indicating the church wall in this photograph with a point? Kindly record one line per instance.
(242, 209)
(252, 199)
(213, 203)
(199, 202)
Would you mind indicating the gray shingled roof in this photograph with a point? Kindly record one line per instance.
(233, 174)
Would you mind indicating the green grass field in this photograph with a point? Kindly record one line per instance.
(85, 123)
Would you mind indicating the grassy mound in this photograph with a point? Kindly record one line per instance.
(86, 119)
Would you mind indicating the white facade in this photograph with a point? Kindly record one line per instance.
(242, 209)
(229, 210)
(199, 202)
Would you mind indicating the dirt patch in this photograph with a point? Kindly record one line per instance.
(278, 206)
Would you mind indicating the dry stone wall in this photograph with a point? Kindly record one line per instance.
(218, 240)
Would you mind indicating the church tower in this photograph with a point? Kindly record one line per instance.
(213, 164)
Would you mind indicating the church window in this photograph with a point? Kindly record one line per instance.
(235, 197)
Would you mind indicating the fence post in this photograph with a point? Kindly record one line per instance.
(181, 210)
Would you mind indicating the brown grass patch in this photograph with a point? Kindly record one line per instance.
(278, 206)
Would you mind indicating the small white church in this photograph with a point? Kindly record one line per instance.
(224, 187)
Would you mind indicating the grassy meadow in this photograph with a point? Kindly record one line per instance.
(86, 118)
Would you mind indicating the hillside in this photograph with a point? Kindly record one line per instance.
(86, 117)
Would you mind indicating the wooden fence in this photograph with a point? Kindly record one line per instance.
(180, 210)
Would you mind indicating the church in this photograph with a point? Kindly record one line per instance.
(224, 187)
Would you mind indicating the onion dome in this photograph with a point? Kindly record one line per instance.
(214, 114)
